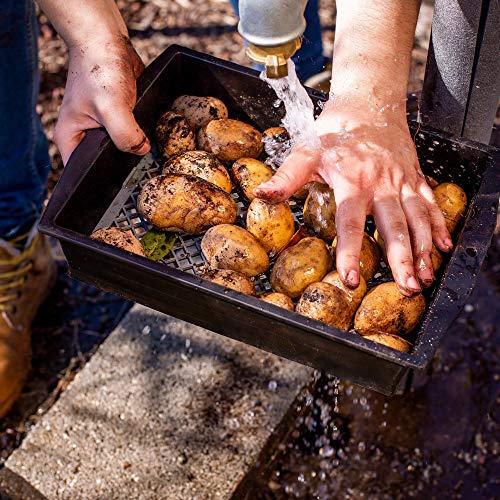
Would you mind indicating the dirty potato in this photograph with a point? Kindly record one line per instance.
(231, 247)
(249, 173)
(278, 299)
(272, 225)
(369, 259)
(300, 265)
(326, 303)
(390, 341)
(119, 238)
(184, 203)
(230, 140)
(385, 310)
(353, 296)
(198, 111)
(277, 144)
(200, 164)
(230, 279)
(452, 201)
(173, 134)
(319, 211)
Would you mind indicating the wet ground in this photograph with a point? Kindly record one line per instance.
(438, 441)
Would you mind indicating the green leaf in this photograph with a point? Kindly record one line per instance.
(158, 244)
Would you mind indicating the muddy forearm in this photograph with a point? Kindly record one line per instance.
(372, 50)
(83, 22)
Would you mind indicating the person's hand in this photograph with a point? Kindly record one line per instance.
(101, 92)
(368, 158)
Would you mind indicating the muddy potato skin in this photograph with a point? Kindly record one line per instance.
(249, 173)
(272, 225)
(390, 341)
(198, 111)
(184, 203)
(452, 201)
(300, 265)
(319, 211)
(326, 303)
(352, 296)
(231, 247)
(230, 140)
(278, 299)
(385, 310)
(230, 279)
(119, 238)
(173, 134)
(369, 259)
(200, 164)
(277, 144)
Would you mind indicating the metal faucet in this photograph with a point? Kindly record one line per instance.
(273, 29)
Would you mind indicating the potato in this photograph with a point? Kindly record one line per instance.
(436, 257)
(303, 192)
(452, 201)
(249, 173)
(272, 225)
(173, 134)
(278, 299)
(184, 203)
(231, 247)
(230, 140)
(198, 111)
(230, 279)
(277, 144)
(319, 211)
(385, 310)
(369, 259)
(119, 238)
(353, 296)
(200, 164)
(300, 265)
(390, 341)
(324, 302)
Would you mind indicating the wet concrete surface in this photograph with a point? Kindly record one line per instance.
(438, 441)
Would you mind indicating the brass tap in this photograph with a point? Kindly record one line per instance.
(274, 58)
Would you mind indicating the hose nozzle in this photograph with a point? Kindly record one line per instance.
(274, 58)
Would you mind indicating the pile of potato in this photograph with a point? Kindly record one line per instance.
(206, 155)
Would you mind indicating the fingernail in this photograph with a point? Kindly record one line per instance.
(448, 244)
(142, 148)
(352, 278)
(413, 284)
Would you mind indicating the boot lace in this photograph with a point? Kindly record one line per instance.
(12, 281)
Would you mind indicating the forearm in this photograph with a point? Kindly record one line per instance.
(372, 50)
(80, 22)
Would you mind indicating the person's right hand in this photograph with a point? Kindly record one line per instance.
(101, 92)
(367, 157)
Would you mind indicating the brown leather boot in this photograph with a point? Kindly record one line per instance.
(27, 273)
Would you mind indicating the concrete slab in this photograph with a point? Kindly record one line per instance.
(164, 409)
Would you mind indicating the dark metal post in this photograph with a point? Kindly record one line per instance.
(462, 78)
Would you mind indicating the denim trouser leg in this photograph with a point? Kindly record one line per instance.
(24, 160)
(309, 58)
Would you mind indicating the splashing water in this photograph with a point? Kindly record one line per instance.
(299, 117)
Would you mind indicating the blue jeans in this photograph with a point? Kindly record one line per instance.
(309, 58)
(24, 159)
